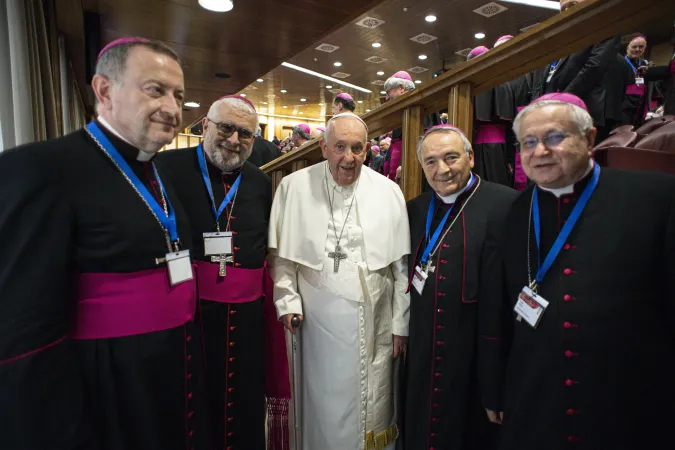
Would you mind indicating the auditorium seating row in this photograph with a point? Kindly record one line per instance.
(651, 147)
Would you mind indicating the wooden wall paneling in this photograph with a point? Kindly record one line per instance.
(460, 108)
(411, 170)
(298, 165)
(277, 175)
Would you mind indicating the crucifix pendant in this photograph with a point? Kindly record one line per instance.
(222, 260)
(337, 255)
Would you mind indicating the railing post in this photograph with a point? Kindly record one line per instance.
(460, 108)
(411, 177)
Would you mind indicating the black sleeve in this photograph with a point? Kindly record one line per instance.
(657, 73)
(493, 314)
(669, 269)
(594, 69)
(41, 391)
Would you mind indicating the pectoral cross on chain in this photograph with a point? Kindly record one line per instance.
(337, 255)
(222, 260)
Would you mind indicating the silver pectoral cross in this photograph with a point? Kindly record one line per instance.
(337, 255)
(222, 260)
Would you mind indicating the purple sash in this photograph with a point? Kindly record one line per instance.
(635, 89)
(115, 305)
(492, 133)
(239, 286)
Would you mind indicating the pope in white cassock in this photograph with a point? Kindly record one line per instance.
(338, 243)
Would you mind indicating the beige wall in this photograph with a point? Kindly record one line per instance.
(183, 141)
(276, 125)
(661, 54)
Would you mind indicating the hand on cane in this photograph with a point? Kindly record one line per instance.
(286, 320)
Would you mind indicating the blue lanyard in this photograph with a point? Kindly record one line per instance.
(567, 228)
(430, 216)
(207, 182)
(167, 220)
(630, 63)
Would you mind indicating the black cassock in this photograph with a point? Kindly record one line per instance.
(65, 210)
(444, 402)
(597, 372)
(233, 332)
(493, 149)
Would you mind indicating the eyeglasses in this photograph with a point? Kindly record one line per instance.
(553, 140)
(228, 129)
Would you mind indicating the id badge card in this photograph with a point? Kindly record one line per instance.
(419, 279)
(179, 266)
(530, 307)
(219, 243)
(639, 81)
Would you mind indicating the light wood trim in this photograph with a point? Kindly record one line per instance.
(411, 176)
(460, 108)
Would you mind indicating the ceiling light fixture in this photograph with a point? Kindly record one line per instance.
(377, 45)
(422, 57)
(418, 81)
(360, 101)
(217, 5)
(337, 63)
(380, 73)
(301, 112)
(191, 104)
(259, 80)
(283, 91)
(325, 77)
(285, 106)
(303, 99)
(264, 103)
(383, 92)
(320, 104)
(539, 3)
(243, 95)
(329, 87)
(430, 18)
(479, 35)
(367, 110)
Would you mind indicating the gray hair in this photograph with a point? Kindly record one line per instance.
(300, 132)
(239, 105)
(578, 116)
(331, 122)
(112, 62)
(465, 142)
(393, 83)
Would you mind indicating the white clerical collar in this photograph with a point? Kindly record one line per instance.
(452, 198)
(142, 156)
(568, 189)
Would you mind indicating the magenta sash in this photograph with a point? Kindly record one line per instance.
(635, 89)
(239, 286)
(520, 108)
(114, 305)
(492, 133)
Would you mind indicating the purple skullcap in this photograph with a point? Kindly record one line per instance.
(402, 74)
(304, 127)
(345, 96)
(479, 50)
(239, 97)
(563, 97)
(322, 129)
(122, 41)
(443, 126)
(638, 37)
(387, 140)
(375, 148)
(504, 38)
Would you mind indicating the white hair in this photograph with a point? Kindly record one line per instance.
(329, 125)
(578, 116)
(238, 104)
(465, 142)
(392, 83)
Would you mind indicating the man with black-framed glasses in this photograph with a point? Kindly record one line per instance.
(589, 258)
(228, 201)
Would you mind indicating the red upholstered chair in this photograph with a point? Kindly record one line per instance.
(621, 129)
(624, 139)
(662, 139)
(635, 159)
(651, 125)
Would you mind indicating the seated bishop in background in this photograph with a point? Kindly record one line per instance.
(98, 347)
(456, 275)
(338, 258)
(590, 263)
(228, 201)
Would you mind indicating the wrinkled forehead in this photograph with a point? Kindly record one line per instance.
(348, 128)
(442, 141)
(638, 42)
(546, 118)
(227, 113)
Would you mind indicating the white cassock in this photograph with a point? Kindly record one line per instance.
(349, 316)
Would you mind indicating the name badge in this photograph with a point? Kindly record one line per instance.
(219, 243)
(639, 81)
(179, 266)
(419, 279)
(530, 307)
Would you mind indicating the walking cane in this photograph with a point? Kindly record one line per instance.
(297, 377)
